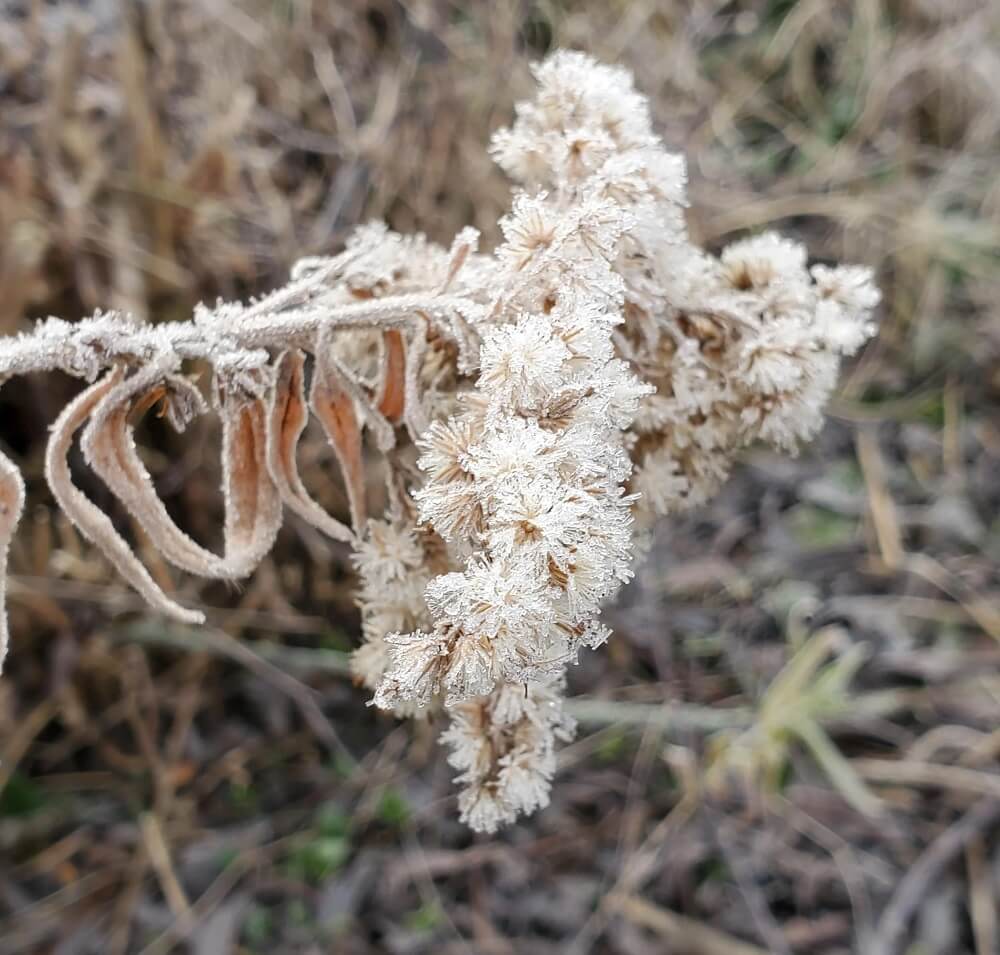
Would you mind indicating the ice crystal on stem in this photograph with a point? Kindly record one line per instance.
(595, 370)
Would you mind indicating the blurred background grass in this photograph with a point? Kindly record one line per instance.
(790, 745)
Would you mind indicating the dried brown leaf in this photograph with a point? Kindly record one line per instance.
(392, 391)
(88, 518)
(253, 505)
(109, 447)
(288, 415)
(333, 405)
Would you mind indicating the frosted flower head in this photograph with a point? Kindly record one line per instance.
(530, 226)
(513, 446)
(388, 553)
(542, 521)
(445, 446)
(497, 600)
(521, 364)
(504, 748)
(756, 263)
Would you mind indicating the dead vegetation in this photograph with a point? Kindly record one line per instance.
(795, 747)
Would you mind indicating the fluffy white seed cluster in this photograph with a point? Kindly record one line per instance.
(527, 484)
(741, 347)
(747, 348)
(530, 407)
(504, 747)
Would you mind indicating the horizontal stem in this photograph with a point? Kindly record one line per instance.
(668, 716)
(238, 338)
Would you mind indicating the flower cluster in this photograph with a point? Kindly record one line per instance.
(747, 348)
(531, 407)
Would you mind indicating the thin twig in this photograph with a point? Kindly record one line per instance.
(159, 855)
(920, 877)
(672, 717)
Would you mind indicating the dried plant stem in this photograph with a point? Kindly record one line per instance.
(675, 718)
(82, 348)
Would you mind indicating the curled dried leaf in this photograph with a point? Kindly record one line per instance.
(11, 506)
(333, 405)
(253, 504)
(88, 518)
(109, 448)
(287, 418)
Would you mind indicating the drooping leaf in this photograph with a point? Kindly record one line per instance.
(334, 406)
(253, 504)
(93, 523)
(287, 418)
(109, 448)
(392, 391)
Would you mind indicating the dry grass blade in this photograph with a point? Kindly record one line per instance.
(158, 851)
(983, 611)
(334, 406)
(908, 772)
(883, 510)
(253, 505)
(89, 519)
(681, 933)
(287, 418)
(11, 506)
(982, 897)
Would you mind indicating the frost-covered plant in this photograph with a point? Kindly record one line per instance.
(595, 370)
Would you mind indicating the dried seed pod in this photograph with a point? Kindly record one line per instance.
(333, 405)
(11, 506)
(88, 518)
(287, 418)
(253, 504)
